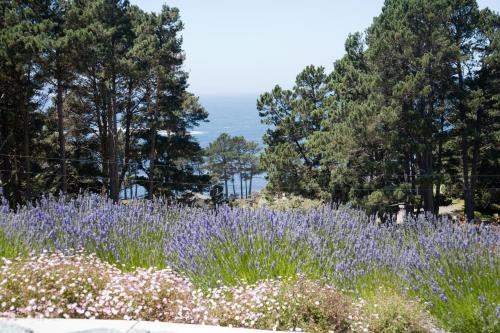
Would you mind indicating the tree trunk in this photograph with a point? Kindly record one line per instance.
(225, 184)
(413, 180)
(152, 154)
(4, 138)
(439, 168)
(303, 154)
(26, 145)
(468, 197)
(475, 164)
(60, 128)
(468, 193)
(102, 125)
(408, 179)
(112, 156)
(17, 182)
(113, 143)
(428, 198)
(234, 187)
(427, 190)
(135, 178)
(152, 138)
(128, 122)
(241, 185)
(437, 198)
(250, 186)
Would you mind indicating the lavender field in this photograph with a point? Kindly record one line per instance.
(450, 270)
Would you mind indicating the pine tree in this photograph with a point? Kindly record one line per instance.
(117, 80)
(23, 37)
(294, 116)
(220, 161)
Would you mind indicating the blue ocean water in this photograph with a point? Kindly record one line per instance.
(235, 115)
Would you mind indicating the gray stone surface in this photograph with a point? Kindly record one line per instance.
(12, 328)
(155, 327)
(70, 325)
(98, 330)
(112, 326)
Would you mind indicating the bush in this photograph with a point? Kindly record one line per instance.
(82, 286)
(388, 312)
(315, 308)
(288, 202)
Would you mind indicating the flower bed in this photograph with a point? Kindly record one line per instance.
(82, 286)
(452, 270)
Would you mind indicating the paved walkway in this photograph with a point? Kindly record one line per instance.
(108, 326)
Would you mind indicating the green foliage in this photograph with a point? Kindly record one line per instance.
(217, 195)
(229, 156)
(377, 202)
(294, 115)
(121, 112)
(316, 308)
(388, 312)
(412, 105)
(12, 248)
(288, 202)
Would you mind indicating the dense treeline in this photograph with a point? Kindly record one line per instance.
(232, 158)
(93, 96)
(410, 112)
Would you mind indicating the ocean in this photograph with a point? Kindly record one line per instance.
(235, 115)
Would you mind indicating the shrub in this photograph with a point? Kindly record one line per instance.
(288, 202)
(315, 308)
(388, 312)
(53, 285)
(80, 286)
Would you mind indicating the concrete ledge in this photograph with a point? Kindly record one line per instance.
(110, 326)
(12, 328)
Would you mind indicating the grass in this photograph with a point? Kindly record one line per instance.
(12, 247)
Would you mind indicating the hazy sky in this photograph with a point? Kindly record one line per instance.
(247, 47)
